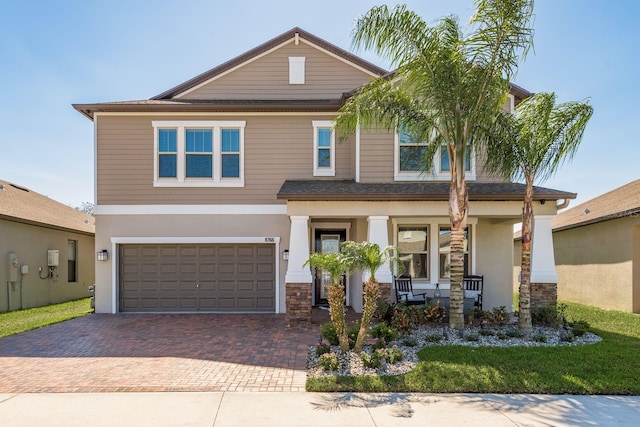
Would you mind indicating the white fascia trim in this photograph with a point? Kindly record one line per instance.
(231, 70)
(339, 58)
(191, 210)
(192, 240)
(512, 103)
(217, 113)
(358, 151)
(95, 159)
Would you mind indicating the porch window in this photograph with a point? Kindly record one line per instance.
(413, 245)
(444, 249)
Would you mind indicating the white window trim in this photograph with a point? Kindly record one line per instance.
(330, 171)
(435, 175)
(181, 181)
(434, 223)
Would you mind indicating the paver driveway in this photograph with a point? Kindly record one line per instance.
(146, 352)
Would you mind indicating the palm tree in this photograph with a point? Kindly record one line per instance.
(367, 257)
(336, 264)
(447, 90)
(544, 136)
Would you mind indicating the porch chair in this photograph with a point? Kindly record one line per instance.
(473, 289)
(405, 294)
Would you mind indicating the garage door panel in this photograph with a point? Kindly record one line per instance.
(201, 277)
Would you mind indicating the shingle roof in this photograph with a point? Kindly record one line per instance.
(621, 202)
(23, 205)
(436, 191)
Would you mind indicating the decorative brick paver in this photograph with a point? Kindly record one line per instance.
(149, 352)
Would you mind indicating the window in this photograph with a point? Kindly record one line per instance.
(444, 160)
(230, 153)
(413, 245)
(72, 261)
(409, 152)
(444, 252)
(324, 143)
(167, 153)
(199, 153)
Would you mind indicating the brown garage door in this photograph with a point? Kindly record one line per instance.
(188, 278)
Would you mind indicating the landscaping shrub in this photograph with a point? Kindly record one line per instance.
(352, 333)
(514, 333)
(472, 337)
(486, 332)
(380, 343)
(502, 335)
(322, 349)
(433, 338)
(405, 317)
(434, 313)
(384, 312)
(549, 315)
(329, 361)
(383, 331)
(537, 337)
(372, 361)
(579, 327)
(391, 355)
(410, 342)
(328, 332)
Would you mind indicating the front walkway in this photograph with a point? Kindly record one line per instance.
(149, 352)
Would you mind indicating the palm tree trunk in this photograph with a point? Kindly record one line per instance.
(371, 296)
(524, 319)
(337, 298)
(458, 204)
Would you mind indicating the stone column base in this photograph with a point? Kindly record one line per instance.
(385, 292)
(298, 303)
(543, 294)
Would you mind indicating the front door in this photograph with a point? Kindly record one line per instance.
(326, 241)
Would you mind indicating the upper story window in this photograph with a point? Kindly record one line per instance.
(199, 153)
(409, 152)
(324, 148)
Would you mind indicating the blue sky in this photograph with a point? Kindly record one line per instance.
(55, 53)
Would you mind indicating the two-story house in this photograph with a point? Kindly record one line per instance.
(211, 195)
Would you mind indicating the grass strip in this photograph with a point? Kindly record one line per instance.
(608, 367)
(15, 322)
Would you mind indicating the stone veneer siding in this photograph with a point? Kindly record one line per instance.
(543, 294)
(385, 292)
(298, 302)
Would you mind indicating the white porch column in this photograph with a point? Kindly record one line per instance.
(543, 264)
(378, 232)
(298, 251)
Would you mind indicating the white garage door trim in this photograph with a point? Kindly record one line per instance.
(186, 240)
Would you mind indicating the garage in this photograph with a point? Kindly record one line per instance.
(184, 278)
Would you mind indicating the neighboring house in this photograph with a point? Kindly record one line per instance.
(47, 250)
(212, 195)
(597, 250)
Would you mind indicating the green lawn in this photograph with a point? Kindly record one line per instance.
(611, 366)
(15, 322)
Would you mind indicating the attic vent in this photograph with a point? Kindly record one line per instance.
(19, 188)
(296, 70)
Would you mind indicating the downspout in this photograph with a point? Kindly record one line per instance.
(8, 296)
(564, 204)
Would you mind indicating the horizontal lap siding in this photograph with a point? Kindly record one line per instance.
(277, 148)
(326, 77)
(376, 157)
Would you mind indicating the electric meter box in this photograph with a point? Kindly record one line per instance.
(53, 257)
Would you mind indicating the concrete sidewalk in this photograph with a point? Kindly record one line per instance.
(314, 409)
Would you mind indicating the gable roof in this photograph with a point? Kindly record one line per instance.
(265, 47)
(318, 190)
(621, 202)
(22, 205)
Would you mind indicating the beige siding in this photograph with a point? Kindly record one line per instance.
(376, 157)
(595, 264)
(277, 148)
(30, 244)
(326, 77)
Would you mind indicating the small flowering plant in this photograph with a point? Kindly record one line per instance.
(391, 355)
(329, 361)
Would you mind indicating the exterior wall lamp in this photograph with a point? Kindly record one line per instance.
(285, 254)
(102, 255)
